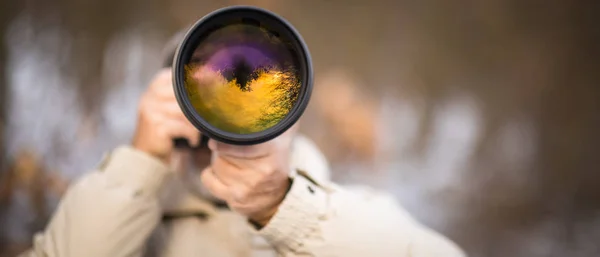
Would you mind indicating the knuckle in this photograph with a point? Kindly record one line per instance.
(241, 194)
(144, 107)
(266, 169)
(161, 131)
(155, 120)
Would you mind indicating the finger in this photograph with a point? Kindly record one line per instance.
(229, 172)
(171, 110)
(214, 184)
(162, 77)
(165, 91)
(162, 85)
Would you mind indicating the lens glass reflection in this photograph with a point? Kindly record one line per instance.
(243, 78)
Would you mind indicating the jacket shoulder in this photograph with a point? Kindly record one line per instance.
(307, 157)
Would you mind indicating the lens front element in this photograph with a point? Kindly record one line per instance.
(242, 75)
(242, 78)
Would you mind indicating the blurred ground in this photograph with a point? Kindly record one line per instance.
(480, 116)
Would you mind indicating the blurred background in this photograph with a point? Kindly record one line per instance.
(479, 116)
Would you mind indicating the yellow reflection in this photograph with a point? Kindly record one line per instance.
(266, 100)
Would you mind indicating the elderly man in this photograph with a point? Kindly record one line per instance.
(272, 199)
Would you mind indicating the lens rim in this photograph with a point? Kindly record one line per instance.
(187, 48)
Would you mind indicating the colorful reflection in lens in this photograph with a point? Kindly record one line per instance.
(242, 79)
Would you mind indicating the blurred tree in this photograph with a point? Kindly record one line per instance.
(533, 61)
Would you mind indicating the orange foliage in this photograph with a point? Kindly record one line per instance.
(225, 105)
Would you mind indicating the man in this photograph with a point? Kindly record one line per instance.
(271, 199)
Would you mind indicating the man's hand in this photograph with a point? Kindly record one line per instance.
(253, 179)
(160, 120)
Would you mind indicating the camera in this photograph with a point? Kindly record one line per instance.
(242, 75)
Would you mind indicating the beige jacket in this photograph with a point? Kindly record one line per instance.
(120, 210)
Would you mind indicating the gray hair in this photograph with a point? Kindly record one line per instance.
(168, 52)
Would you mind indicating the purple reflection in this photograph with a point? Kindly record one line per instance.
(227, 57)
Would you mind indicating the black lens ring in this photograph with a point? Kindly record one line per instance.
(188, 46)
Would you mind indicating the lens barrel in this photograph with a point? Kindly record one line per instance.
(242, 75)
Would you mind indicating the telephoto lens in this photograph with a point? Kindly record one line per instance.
(242, 75)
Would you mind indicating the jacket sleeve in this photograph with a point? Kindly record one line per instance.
(320, 218)
(109, 212)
